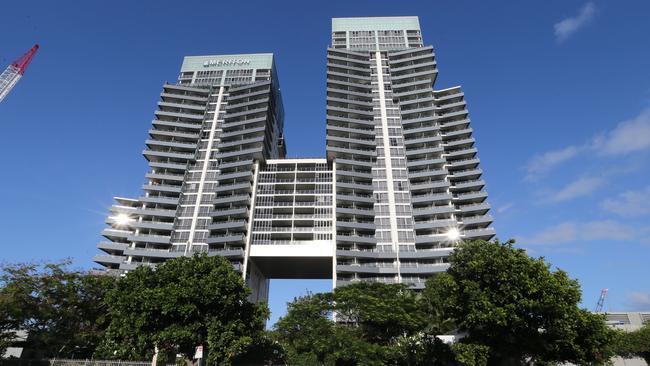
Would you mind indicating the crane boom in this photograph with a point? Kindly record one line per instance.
(601, 300)
(10, 76)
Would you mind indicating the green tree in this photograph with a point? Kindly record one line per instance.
(381, 312)
(306, 330)
(517, 307)
(180, 304)
(376, 324)
(634, 344)
(60, 309)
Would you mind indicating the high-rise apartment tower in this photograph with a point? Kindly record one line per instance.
(399, 187)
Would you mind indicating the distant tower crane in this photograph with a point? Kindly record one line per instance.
(14, 72)
(601, 300)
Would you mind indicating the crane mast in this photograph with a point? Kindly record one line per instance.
(10, 76)
(601, 300)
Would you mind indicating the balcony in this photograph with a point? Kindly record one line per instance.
(240, 141)
(181, 135)
(108, 260)
(355, 198)
(367, 268)
(352, 210)
(226, 238)
(466, 173)
(427, 173)
(147, 238)
(337, 151)
(112, 247)
(484, 234)
(180, 145)
(155, 212)
(354, 185)
(466, 132)
(165, 200)
(240, 153)
(193, 116)
(463, 122)
(151, 253)
(116, 234)
(355, 238)
(458, 95)
(431, 239)
(232, 115)
(427, 253)
(153, 155)
(473, 185)
(237, 187)
(429, 185)
(470, 197)
(231, 212)
(465, 143)
(477, 220)
(436, 197)
(364, 253)
(342, 223)
(423, 151)
(155, 225)
(230, 224)
(354, 161)
(434, 224)
(197, 98)
(425, 161)
(228, 252)
(476, 209)
(415, 139)
(177, 166)
(424, 268)
(223, 200)
(469, 163)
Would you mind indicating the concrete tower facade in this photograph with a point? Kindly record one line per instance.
(398, 188)
(408, 185)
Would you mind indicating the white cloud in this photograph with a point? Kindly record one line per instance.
(550, 159)
(558, 234)
(569, 232)
(627, 137)
(578, 188)
(629, 204)
(638, 301)
(505, 207)
(607, 230)
(565, 28)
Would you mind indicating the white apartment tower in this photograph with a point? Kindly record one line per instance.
(399, 187)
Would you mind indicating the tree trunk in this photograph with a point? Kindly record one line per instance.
(154, 360)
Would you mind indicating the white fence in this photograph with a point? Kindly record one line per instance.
(63, 362)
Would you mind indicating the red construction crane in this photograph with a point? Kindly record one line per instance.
(14, 72)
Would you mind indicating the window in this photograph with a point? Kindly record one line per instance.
(379, 173)
(381, 209)
(404, 222)
(403, 209)
(381, 197)
(405, 236)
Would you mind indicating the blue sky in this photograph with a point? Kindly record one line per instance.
(558, 94)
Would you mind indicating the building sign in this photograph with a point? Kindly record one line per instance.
(227, 62)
